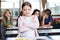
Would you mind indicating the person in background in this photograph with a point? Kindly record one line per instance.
(36, 12)
(7, 19)
(6, 23)
(47, 21)
(46, 18)
(27, 24)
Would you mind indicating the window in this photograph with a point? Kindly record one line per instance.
(11, 5)
(35, 4)
(54, 5)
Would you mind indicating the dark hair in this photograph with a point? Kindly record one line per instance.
(20, 14)
(48, 12)
(18, 17)
(35, 11)
(26, 3)
(39, 14)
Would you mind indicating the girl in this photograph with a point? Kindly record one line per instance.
(27, 24)
(7, 23)
(36, 12)
(47, 18)
(7, 19)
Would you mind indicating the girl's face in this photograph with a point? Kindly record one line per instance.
(44, 14)
(7, 14)
(37, 13)
(26, 10)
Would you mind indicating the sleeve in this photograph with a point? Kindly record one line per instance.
(11, 21)
(50, 19)
(4, 22)
(34, 24)
(19, 26)
(19, 23)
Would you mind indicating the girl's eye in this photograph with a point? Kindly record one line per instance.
(24, 9)
(28, 9)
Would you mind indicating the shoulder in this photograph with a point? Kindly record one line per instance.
(34, 16)
(50, 19)
(50, 16)
(21, 17)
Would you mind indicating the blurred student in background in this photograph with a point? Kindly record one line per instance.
(36, 12)
(7, 23)
(46, 18)
(27, 24)
(7, 18)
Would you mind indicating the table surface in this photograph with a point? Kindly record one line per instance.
(49, 31)
(46, 27)
(12, 28)
(55, 37)
(10, 31)
(42, 37)
(17, 27)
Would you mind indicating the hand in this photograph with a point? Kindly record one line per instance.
(9, 26)
(44, 17)
(29, 25)
(8, 18)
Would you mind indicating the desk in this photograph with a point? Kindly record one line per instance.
(48, 27)
(38, 38)
(49, 31)
(55, 37)
(12, 32)
(12, 28)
